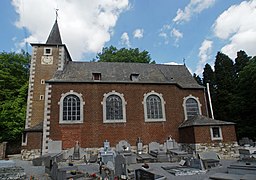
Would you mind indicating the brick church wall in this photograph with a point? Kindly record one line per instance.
(93, 132)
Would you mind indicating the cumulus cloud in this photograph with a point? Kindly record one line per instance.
(85, 25)
(138, 33)
(125, 40)
(194, 7)
(237, 25)
(204, 55)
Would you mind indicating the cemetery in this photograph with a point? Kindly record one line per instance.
(123, 161)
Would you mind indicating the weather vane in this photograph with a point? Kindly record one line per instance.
(56, 11)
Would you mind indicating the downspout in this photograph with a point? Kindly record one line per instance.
(210, 100)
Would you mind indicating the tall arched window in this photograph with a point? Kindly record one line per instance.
(71, 108)
(154, 107)
(114, 108)
(191, 107)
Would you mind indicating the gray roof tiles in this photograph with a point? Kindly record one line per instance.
(121, 72)
(200, 120)
(54, 36)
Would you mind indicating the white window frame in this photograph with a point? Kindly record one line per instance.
(41, 97)
(24, 139)
(42, 81)
(45, 51)
(61, 121)
(105, 96)
(220, 132)
(145, 107)
(184, 105)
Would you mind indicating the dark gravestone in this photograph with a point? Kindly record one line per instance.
(141, 174)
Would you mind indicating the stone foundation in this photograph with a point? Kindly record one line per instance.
(30, 154)
(224, 150)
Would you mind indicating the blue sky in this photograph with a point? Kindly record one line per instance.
(170, 30)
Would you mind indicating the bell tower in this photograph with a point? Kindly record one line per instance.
(46, 59)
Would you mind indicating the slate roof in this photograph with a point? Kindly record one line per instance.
(54, 36)
(200, 120)
(121, 73)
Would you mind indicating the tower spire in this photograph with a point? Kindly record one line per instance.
(54, 36)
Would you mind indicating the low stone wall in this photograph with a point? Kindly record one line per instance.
(30, 154)
(224, 150)
(3, 150)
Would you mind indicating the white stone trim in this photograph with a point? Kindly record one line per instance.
(71, 92)
(47, 117)
(30, 89)
(105, 96)
(184, 105)
(220, 132)
(145, 107)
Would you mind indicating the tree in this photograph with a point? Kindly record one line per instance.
(246, 100)
(241, 61)
(112, 54)
(14, 73)
(198, 79)
(224, 79)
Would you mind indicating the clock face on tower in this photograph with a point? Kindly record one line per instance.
(47, 60)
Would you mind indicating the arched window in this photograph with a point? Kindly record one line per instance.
(191, 107)
(114, 108)
(153, 107)
(71, 108)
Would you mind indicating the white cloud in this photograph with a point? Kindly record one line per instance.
(164, 33)
(85, 25)
(138, 33)
(172, 63)
(204, 55)
(125, 39)
(177, 35)
(194, 7)
(238, 26)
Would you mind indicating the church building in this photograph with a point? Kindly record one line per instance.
(90, 102)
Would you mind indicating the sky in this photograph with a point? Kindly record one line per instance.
(172, 31)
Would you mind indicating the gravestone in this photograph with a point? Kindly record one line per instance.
(159, 153)
(106, 153)
(141, 174)
(153, 146)
(76, 154)
(123, 147)
(120, 165)
(210, 159)
(139, 146)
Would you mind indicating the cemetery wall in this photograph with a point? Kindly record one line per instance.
(93, 132)
(227, 150)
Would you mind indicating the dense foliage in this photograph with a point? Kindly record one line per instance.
(112, 54)
(233, 91)
(14, 73)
